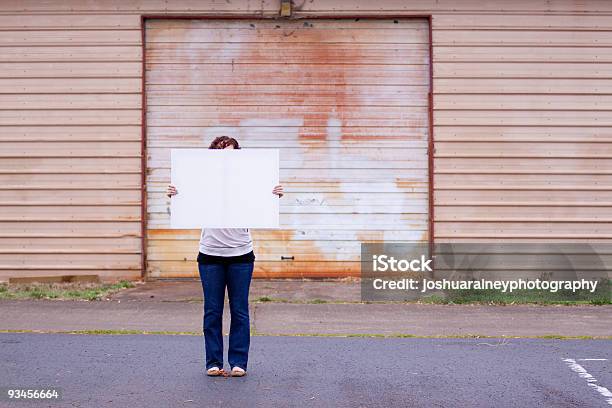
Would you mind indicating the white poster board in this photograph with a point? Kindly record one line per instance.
(224, 188)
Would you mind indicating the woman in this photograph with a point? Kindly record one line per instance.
(226, 259)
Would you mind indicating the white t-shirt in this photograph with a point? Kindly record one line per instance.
(225, 241)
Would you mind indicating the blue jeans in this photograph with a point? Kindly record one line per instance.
(237, 278)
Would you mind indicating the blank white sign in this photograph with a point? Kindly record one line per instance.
(224, 188)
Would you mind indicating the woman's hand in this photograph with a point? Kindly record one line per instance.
(171, 191)
(278, 190)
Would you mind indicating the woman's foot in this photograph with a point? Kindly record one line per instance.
(238, 372)
(214, 372)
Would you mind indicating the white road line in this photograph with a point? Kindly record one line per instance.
(582, 373)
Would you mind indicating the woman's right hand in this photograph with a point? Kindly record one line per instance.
(171, 191)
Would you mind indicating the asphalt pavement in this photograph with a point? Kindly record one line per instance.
(315, 345)
(167, 371)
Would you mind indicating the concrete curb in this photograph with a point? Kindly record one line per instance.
(315, 319)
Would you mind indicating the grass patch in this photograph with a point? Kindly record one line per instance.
(106, 332)
(601, 296)
(444, 336)
(65, 291)
(348, 335)
(269, 299)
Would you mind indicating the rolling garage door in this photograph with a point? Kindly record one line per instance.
(345, 101)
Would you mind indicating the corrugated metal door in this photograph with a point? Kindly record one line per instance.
(345, 101)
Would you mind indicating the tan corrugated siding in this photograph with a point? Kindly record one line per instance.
(521, 108)
(523, 149)
(70, 145)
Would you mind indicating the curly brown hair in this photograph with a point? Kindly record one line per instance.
(222, 142)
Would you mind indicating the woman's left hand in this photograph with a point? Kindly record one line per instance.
(278, 190)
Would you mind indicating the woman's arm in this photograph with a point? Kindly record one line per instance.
(278, 190)
(171, 191)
